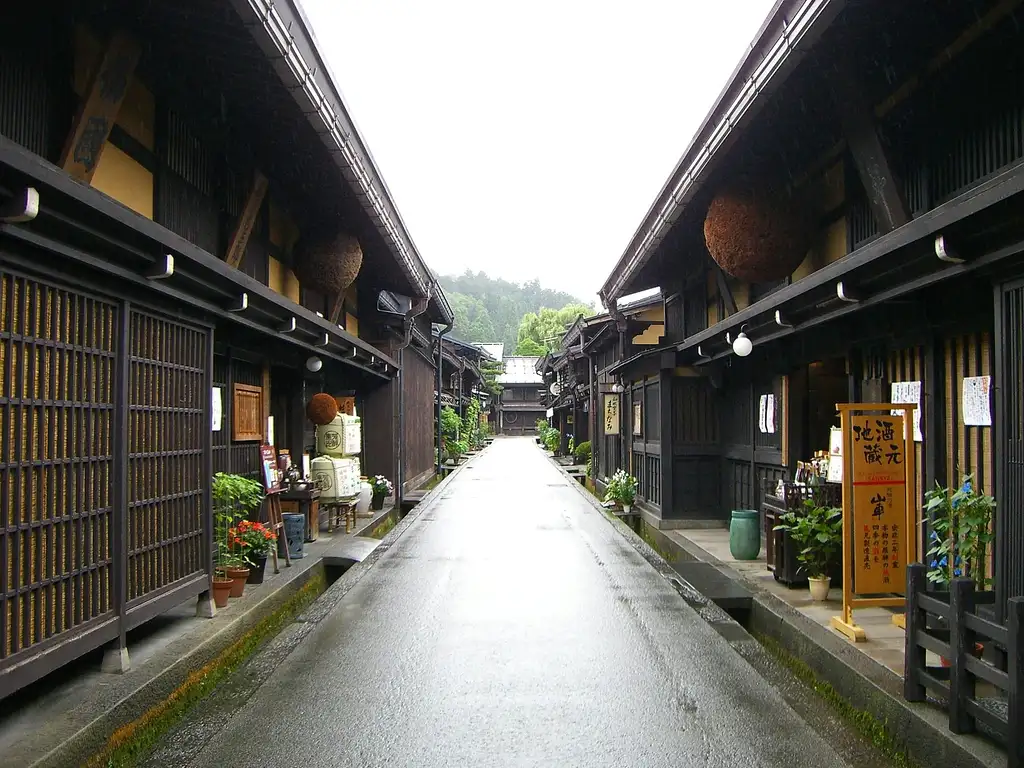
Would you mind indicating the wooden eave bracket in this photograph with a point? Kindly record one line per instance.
(246, 221)
(162, 269)
(22, 207)
(98, 111)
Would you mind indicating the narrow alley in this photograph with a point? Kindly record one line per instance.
(510, 624)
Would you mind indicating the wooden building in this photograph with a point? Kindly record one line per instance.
(852, 204)
(461, 377)
(193, 241)
(519, 406)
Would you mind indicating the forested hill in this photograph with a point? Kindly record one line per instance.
(490, 309)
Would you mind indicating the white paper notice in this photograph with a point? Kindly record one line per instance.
(977, 408)
(769, 417)
(217, 409)
(908, 392)
(835, 455)
(270, 430)
(762, 417)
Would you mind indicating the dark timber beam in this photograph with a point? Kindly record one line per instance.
(243, 229)
(723, 288)
(884, 194)
(98, 111)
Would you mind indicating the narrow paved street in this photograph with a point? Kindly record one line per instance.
(512, 625)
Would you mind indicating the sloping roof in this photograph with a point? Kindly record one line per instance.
(520, 370)
(496, 351)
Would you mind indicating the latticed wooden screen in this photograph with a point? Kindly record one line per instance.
(58, 352)
(167, 432)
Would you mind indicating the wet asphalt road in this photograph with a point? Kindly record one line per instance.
(511, 625)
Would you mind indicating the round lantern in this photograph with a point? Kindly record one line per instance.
(321, 409)
(328, 265)
(757, 237)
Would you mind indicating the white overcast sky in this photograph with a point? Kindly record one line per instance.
(528, 139)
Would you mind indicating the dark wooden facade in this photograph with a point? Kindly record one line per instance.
(119, 314)
(911, 275)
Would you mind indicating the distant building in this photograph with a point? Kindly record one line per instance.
(522, 388)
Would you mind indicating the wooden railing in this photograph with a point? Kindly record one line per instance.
(948, 625)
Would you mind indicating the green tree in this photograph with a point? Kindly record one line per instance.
(472, 320)
(546, 328)
(530, 348)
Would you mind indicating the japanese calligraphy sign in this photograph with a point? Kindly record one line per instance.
(611, 414)
(879, 518)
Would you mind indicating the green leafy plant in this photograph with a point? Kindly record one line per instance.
(961, 523)
(471, 432)
(552, 439)
(582, 451)
(622, 488)
(234, 498)
(818, 531)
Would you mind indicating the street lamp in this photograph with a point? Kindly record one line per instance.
(742, 345)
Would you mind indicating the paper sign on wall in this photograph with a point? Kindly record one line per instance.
(908, 392)
(217, 409)
(766, 415)
(611, 414)
(835, 455)
(975, 400)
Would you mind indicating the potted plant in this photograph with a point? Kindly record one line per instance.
(961, 523)
(381, 488)
(818, 531)
(582, 453)
(255, 541)
(234, 498)
(622, 489)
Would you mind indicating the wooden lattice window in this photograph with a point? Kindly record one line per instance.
(58, 352)
(248, 413)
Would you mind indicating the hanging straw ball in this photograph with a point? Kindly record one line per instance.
(322, 409)
(756, 236)
(328, 265)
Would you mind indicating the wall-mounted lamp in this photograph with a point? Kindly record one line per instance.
(314, 364)
(742, 345)
(617, 387)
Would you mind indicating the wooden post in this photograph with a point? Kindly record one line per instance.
(914, 654)
(246, 221)
(961, 643)
(98, 112)
(1015, 674)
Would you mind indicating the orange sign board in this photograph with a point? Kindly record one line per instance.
(878, 478)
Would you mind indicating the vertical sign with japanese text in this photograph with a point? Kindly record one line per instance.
(878, 479)
(611, 414)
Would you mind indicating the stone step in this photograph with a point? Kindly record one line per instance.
(349, 551)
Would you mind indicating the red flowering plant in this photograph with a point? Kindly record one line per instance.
(252, 539)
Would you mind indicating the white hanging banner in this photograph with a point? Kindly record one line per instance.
(908, 392)
(762, 415)
(976, 403)
(217, 409)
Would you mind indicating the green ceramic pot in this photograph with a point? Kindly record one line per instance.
(745, 534)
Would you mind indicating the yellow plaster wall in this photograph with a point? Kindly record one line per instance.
(281, 279)
(123, 179)
(352, 324)
(829, 245)
(651, 336)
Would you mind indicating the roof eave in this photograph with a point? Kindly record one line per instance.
(791, 29)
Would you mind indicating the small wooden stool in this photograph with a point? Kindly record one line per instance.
(276, 524)
(338, 510)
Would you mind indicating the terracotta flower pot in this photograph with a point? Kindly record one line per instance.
(221, 591)
(238, 577)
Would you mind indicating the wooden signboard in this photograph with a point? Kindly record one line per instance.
(879, 504)
(611, 414)
(879, 508)
(268, 462)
